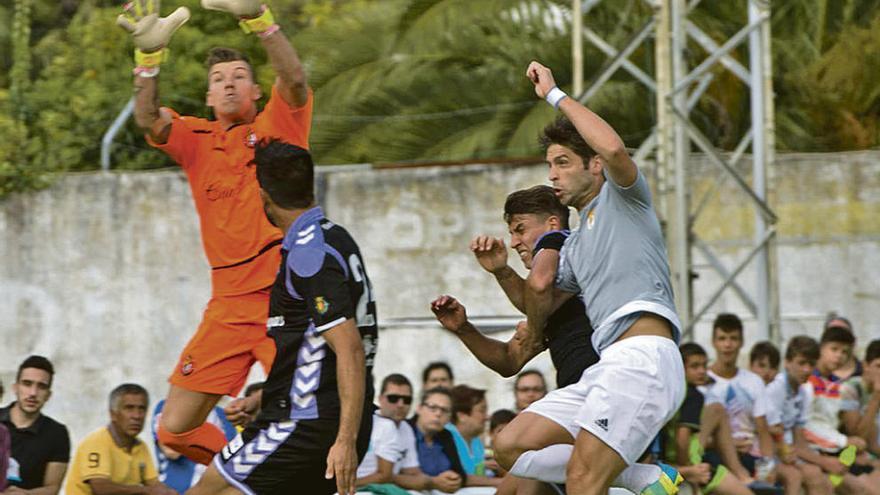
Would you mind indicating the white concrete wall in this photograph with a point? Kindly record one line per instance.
(105, 275)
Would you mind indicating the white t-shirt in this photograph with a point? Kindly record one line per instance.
(785, 406)
(744, 398)
(385, 442)
(407, 439)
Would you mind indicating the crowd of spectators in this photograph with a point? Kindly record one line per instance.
(806, 420)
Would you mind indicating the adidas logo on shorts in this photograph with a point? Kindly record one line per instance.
(602, 423)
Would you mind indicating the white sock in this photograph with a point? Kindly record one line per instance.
(549, 464)
(637, 477)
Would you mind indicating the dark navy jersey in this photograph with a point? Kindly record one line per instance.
(568, 334)
(322, 282)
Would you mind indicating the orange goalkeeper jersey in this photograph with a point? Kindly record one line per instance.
(242, 247)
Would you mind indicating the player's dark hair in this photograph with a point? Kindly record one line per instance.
(253, 388)
(727, 322)
(221, 54)
(500, 417)
(286, 172)
(803, 346)
(536, 200)
(464, 399)
(838, 334)
(765, 349)
(126, 389)
(435, 391)
(873, 351)
(561, 131)
(437, 365)
(691, 349)
(395, 379)
(528, 372)
(38, 362)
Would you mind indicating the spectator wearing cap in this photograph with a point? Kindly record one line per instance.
(40, 445)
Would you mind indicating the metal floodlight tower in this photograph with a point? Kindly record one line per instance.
(678, 89)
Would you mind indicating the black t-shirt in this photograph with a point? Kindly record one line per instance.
(691, 408)
(568, 334)
(33, 447)
(321, 283)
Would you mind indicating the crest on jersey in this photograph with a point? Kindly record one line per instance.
(321, 305)
(251, 140)
(186, 367)
(591, 219)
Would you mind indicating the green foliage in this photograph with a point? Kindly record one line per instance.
(410, 80)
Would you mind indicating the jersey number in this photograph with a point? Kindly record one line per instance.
(362, 315)
(94, 459)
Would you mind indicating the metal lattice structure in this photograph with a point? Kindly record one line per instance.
(678, 89)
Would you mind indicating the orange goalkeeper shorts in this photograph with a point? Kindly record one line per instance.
(231, 337)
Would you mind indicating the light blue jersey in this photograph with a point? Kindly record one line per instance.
(617, 261)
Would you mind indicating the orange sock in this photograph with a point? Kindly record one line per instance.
(200, 444)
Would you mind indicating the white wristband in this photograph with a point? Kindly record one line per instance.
(555, 96)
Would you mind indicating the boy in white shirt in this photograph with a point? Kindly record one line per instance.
(743, 396)
(787, 413)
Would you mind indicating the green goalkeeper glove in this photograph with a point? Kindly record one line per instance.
(150, 32)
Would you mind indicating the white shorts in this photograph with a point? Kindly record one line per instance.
(625, 399)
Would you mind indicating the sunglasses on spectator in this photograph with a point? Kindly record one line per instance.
(530, 389)
(435, 408)
(395, 398)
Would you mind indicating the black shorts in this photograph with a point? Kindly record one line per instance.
(268, 459)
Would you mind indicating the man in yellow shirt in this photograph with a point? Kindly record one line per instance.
(112, 460)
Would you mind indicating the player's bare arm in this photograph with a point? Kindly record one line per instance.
(255, 17)
(342, 461)
(151, 35)
(505, 358)
(491, 254)
(595, 131)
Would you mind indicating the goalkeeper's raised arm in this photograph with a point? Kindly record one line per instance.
(150, 34)
(257, 18)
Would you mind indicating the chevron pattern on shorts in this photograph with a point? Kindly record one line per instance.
(258, 449)
(307, 377)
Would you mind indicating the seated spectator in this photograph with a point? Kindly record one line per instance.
(691, 431)
(787, 411)
(497, 422)
(388, 453)
(742, 393)
(469, 415)
(764, 361)
(40, 445)
(176, 470)
(394, 402)
(437, 374)
(5, 447)
(860, 400)
(434, 443)
(529, 387)
(822, 429)
(111, 460)
(851, 365)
